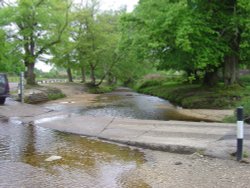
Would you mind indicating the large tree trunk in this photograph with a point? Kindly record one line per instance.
(70, 77)
(231, 70)
(210, 78)
(29, 61)
(231, 60)
(111, 79)
(83, 74)
(92, 75)
(29, 74)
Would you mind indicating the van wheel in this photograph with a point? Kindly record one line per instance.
(2, 100)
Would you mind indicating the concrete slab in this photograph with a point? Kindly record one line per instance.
(213, 139)
(16, 109)
(84, 125)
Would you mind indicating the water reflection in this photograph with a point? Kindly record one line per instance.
(124, 103)
(89, 162)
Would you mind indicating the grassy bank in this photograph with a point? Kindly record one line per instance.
(194, 96)
(104, 88)
(39, 94)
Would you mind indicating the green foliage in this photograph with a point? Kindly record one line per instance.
(245, 154)
(189, 35)
(195, 96)
(100, 89)
(9, 56)
(32, 27)
(230, 119)
(54, 93)
(54, 96)
(90, 42)
(150, 83)
(245, 80)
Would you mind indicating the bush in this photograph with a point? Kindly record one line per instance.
(245, 80)
(100, 89)
(54, 96)
(149, 83)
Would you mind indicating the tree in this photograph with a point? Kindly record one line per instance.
(134, 61)
(36, 25)
(96, 37)
(9, 61)
(64, 54)
(193, 35)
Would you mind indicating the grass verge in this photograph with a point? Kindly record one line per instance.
(100, 89)
(195, 96)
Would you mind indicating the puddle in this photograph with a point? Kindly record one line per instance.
(85, 162)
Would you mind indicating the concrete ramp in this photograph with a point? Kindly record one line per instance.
(171, 136)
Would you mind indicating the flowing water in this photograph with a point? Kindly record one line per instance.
(24, 147)
(125, 103)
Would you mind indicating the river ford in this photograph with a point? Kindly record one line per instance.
(25, 146)
(24, 149)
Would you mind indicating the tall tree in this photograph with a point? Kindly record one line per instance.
(96, 37)
(36, 25)
(193, 35)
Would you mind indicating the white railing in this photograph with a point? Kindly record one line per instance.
(51, 81)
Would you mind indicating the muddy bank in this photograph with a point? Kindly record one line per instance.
(205, 114)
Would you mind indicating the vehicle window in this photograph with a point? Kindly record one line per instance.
(2, 80)
(2, 84)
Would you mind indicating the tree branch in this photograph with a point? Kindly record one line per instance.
(116, 59)
(39, 3)
(46, 46)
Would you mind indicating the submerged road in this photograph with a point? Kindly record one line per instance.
(212, 139)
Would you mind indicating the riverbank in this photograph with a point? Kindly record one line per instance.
(77, 93)
(53, 91)
(194, 96)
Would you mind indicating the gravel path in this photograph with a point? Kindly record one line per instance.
(182, 171)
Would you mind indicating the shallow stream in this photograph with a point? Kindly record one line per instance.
(85, 162)
(123, 102)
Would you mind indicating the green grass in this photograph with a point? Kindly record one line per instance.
(197, 96)
(13, 79)
(100, 89)
(54, 96)
(230, 119)
(245, 154)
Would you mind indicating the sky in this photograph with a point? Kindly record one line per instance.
(116, 4)
(104, 5)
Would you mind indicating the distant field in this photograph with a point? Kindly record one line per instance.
(13, 79)
(17, 79)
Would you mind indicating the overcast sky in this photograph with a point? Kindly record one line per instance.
(115, 4)
(105, 5)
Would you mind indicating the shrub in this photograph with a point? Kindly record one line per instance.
(54, 96)
(149, 83)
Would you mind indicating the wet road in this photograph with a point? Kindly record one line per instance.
(88, 163)
(85, 163)
(24, 147)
